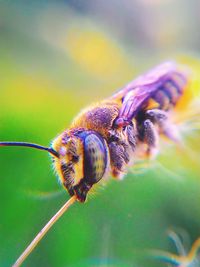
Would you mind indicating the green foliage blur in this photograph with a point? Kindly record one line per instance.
(56, 57)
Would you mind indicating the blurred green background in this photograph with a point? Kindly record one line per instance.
(56, 57)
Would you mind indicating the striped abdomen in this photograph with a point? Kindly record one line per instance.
(168, 94)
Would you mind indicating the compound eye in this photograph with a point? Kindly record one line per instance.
(95, 158)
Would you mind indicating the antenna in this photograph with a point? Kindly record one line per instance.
(44, 230)
(25, 144)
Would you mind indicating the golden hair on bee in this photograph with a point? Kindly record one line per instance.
(109, 136)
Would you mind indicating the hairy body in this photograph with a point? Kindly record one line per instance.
(107, 137)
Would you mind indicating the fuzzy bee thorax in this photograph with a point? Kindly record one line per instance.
(99, 117)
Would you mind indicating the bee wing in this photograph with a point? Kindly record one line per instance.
(136, 92)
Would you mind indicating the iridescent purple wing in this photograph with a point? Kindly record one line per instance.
(134, 95)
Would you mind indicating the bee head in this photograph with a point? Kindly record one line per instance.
(82, 161)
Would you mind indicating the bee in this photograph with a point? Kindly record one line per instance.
(106, 138)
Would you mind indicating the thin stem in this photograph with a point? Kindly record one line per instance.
(44, 230)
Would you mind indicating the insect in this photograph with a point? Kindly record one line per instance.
(184, 259)
(111, 135)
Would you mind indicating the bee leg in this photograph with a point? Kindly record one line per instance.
(131, 134)
(157, 116)
(119, 158)
(160, 118)
(150, 137)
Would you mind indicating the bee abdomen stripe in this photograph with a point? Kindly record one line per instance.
(162, 99)
(168, 94)
(172, 91)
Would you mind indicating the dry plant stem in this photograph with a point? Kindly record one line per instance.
(42, 233)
